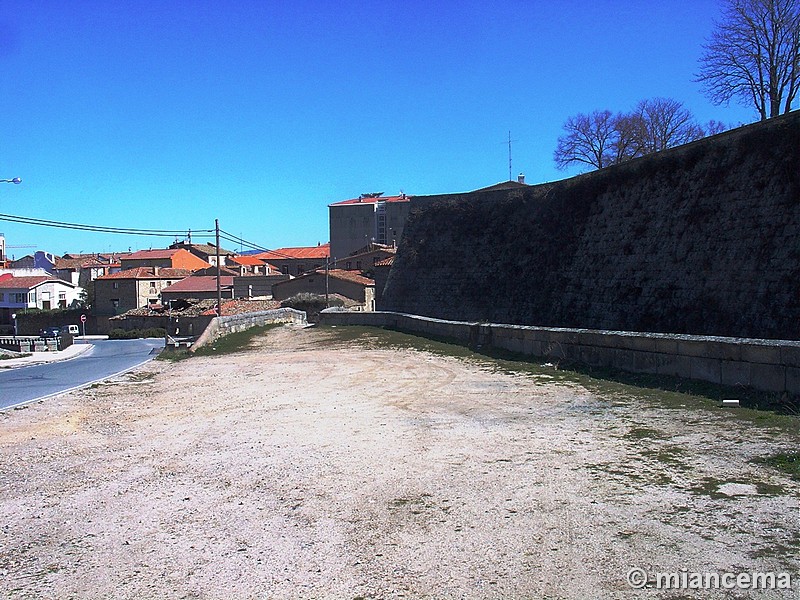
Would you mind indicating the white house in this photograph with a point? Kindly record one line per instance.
(44, 292)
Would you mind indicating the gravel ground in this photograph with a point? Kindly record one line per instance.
(310, 467)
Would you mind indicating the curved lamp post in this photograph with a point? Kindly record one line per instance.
(15, 180)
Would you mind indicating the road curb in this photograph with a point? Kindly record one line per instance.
(52, 357)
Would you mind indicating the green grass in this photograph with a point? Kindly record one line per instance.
(229, 344)
(10, 356)
(788, 462)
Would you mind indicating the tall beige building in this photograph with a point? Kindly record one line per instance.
(369, 218)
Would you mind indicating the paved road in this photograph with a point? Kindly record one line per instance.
(107, 358)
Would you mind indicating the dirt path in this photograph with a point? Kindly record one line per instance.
(311, 469)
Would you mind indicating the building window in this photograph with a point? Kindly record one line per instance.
(115, 285)
(285, 269)
(32, 297)
(19, 298)
(358, 265)
(2, 297)
(301, 269)
(348, 265)
(115, 302)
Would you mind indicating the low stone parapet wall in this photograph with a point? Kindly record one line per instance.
(222, 326)
(767, 365)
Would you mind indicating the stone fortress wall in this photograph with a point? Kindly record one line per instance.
(703, 239)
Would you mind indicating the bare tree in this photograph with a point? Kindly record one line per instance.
(601, 139)
(754, 55)
(588, 140)
(662, 123)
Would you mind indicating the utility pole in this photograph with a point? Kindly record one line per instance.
(219, 286)
(327, 264)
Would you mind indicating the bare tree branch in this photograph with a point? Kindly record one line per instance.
(753, 55)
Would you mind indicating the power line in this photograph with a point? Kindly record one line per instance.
(97, 228)
(229, 237)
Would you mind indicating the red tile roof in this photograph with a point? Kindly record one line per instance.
(79, 263)
(202, 283)
(386, 262)
(401, 198)
(303, 252)
(349, 276)
(26, 283)
(151, 254)
(250, 261)
(147, 273)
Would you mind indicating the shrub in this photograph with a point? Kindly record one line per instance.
(132, 334)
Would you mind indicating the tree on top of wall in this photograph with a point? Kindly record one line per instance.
(754, 56)
(600, 139)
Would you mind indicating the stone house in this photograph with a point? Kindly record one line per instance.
(132, 288)
(369, 218)
(349, 284)
(364, 259)
(256, 286)
(203, 287)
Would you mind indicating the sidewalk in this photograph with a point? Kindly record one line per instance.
(37, 358)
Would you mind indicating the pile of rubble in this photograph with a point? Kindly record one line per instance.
(194, 308)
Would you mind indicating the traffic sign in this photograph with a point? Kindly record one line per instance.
(83, 318)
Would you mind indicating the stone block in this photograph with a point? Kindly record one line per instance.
(735, 372)
(646, 362)
(677, 366)
(640, 343)
(623, 359)
(761, 353)
(793, 380)
(593, 338)
(770, 378)
(532, 347)
(790, 355)
(698, 348)
(666, 345)
(706, 369)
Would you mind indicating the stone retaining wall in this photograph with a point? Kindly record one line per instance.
(767, 365)
(222, 326)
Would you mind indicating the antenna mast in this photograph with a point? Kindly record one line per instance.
(509, 155)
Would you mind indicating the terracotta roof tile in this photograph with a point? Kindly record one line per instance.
(401, 198)
(250, 261)
(349, 276)
(304, 252)
(203, 283)
(26, 283)
(147, 273)
(151, 254)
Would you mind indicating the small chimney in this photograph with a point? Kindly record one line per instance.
(521, 178)
(155, 271)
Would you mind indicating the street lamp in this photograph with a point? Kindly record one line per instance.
(15, 180)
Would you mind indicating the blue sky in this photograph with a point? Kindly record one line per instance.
(167, 115)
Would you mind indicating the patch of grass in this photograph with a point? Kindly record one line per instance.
(788, 462)
(638, 433)
(169, 355)
(669, 455)
(10, 356)
(234, 342)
